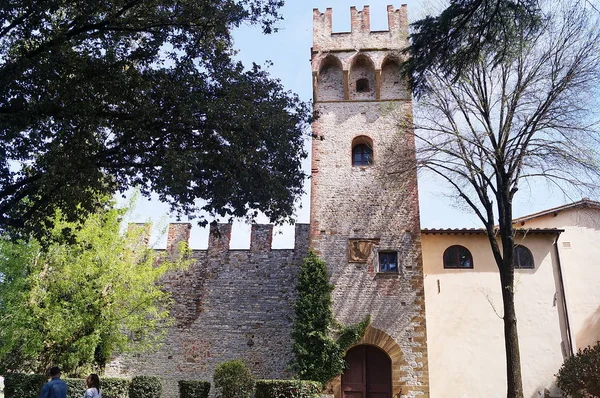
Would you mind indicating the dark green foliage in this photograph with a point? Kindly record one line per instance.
(100, 96)
(145, 387)
(20, 385)
(76, 387)
(463, 32)
(579, 376)
(114, 387)
(193, 389)
(233, 379)
(317, 356)
(287, 389)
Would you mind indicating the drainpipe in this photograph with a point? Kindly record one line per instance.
(564, 299)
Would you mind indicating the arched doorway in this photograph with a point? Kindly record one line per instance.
(369, 373)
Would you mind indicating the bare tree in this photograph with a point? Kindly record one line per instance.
(497, 124)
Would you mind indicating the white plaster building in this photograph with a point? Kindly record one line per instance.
(557, 302)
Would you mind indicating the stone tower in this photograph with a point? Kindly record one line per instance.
(364, 219)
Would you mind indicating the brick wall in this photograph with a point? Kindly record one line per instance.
(230, 304)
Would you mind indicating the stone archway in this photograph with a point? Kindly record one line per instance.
(378, 338)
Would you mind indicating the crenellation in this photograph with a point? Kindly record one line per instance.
(177, 233)
(360, 36)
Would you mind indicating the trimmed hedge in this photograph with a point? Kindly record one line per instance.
(75, 387)
(115, 387)
(233, 379)
(20, 385)
(193, 389)
(145, 387)
(286, 389)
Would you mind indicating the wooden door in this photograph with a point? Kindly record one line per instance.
(368, 375)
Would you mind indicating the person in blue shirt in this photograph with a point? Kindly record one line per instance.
(55, 388)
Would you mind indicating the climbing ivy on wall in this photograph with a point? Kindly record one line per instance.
(317, 355)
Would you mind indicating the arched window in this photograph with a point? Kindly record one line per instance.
(362, 155)
(458, 257)
(362, 151)
(522, 258)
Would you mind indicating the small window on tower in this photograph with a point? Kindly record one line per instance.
(362, 86)
(388, 261)
(362, 151)
(362, 155)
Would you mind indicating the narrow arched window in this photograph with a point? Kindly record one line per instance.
(362, 151)
(458, 257)
(522, 258)
(362, 155)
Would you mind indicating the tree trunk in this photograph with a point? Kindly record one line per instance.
(511, 336)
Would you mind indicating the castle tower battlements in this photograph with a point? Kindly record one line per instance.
(360, 35)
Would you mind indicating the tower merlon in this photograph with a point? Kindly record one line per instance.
(261, 237)
(141, 232)
(360, 20)
(219, 237)
(177, 233)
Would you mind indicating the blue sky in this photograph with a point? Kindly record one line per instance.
(289, 51)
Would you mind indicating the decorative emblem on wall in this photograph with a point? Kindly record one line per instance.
(359, 250)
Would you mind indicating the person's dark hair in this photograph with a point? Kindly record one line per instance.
(93, 381)
(54, 371)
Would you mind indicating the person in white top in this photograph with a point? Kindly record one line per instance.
(93, 384)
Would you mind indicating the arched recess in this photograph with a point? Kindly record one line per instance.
(393, 86)
(330, 81)
(362, 83)
(377, 338)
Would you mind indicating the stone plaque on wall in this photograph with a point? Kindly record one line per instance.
(359, 250)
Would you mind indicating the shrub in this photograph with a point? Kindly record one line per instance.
(286, 389)
(114, 387)
(75, 387)
(145, 387)
(233, 380)
(20, 385)
(579, 376)
(193, 389)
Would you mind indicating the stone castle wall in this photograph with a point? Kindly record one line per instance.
(229, 304)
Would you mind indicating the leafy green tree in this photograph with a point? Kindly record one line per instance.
(100, 96)
(463, 32)
(317, 355)
(579, 376)
(74, 302)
